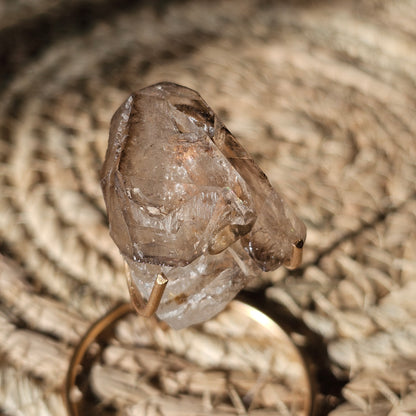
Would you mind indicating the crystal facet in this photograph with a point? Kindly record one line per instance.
(184, 198)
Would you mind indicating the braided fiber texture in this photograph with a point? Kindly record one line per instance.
(322, 94)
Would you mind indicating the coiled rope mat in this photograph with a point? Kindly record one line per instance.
(321, 93)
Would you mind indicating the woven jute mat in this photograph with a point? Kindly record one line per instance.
(322, 94)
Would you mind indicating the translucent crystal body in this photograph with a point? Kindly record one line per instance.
(184, 198)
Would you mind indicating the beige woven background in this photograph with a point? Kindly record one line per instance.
(322, 93)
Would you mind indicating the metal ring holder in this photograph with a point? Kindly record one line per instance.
(256, 322)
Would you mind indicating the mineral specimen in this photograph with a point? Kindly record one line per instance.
(184, 198)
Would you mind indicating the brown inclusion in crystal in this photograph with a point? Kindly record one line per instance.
(184, 198)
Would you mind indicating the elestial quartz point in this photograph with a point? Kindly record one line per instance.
(185, 199)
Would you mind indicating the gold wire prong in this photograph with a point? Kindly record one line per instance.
(296, 257)
(149, 308)
(155, 297)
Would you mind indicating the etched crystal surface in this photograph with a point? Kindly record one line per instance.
(184, 198)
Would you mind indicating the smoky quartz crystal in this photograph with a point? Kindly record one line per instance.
(185, 199)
